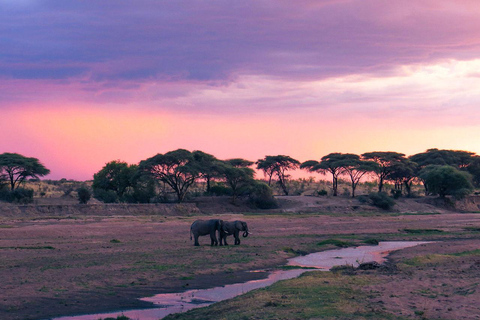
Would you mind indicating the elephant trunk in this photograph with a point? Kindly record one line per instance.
(245, 234)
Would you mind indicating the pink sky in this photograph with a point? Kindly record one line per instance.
(84, 83)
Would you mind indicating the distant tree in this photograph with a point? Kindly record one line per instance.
(15, 168)
(178, 169)
(209, 167)
(385, 164)
(355, 168)
(474, 169)
(113, 180)
(403, 173)
(331, 163)
(239, 163)
(237, 178)
(455, 158)
(446, 180)
(278, 166)
(84, 195)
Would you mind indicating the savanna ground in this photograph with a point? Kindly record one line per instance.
(63, 265)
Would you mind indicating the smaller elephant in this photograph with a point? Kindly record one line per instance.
(233, 227)
(206, 227)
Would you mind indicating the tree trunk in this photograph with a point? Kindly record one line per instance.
(334, 186)
(380, 184)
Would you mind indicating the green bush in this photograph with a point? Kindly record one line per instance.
(261, 196)
(219, 190)
(381, 200)
(107, 196)
(322, 192)
(396, 193)
(19, 195)
(84, 195)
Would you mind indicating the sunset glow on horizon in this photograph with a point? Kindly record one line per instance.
(85, 83)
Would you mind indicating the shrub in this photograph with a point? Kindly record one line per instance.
(322, 192)
(219, 190)
(84, 195)
(447, 180)
(107, 196)
(396, 193)
(381, 200)
(261, 196)
(19, 195)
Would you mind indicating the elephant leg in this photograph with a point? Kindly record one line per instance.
(214, 241)
(196, 240)
(237, 239)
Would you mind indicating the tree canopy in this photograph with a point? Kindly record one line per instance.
(178, 169)
(118, 181)
(385, 161)
(278, 166)
(331, 163)
(15, 168)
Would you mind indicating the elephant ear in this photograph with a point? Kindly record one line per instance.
(238, 225)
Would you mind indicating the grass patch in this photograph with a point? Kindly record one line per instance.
(147, 265)
(122, 317)
(5, 226)
(475, 229)
(371, 241)
(429, 259)
(115, 241)
(337, 243)
(314, 295)
(295, 252)
(475, 252)
(422, 231)
(30, 248)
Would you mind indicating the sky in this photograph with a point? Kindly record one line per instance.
(86, 82)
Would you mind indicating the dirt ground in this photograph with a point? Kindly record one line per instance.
(87, 264)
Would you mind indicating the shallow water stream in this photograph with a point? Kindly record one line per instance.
(169, 303)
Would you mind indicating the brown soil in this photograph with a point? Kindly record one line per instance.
(67, 264)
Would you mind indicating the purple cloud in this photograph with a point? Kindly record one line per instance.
(201, 40)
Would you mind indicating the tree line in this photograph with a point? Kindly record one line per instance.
(442, 173)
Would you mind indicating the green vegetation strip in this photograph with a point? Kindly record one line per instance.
(337, 243)
(314, 295)
(30, 248)
(422, 231)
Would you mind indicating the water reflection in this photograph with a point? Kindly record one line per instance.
(180, 302)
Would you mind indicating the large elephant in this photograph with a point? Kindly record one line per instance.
(233, 227)
(206, 227)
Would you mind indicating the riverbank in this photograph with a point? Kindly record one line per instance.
(89, 264)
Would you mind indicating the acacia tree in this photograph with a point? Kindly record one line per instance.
(455, 158)
(209, 166)
(354, 168)
(237, 178)
(439, 157)
(403, 173)
(15, 168)
(239, 163)
(278, 166)
(385, 163)
(331, 163)
(178, 169)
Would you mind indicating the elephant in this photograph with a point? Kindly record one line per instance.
(206, 227)
(233, 227)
